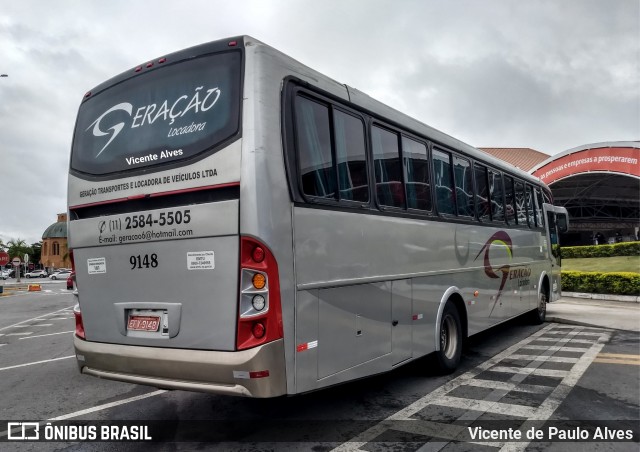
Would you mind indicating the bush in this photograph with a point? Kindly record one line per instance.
(617, 249)
(621, 283)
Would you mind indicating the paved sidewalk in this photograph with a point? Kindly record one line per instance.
(618, 315)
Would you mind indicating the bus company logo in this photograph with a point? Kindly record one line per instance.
(115, 129)
(503, 239)
(168, 111)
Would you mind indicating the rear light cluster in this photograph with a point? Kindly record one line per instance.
(73, 265)
(260, 315)
(76, 309)
(79, 325)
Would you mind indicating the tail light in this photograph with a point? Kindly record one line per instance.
(79, 326)
(76, 309)
(260, 313)
(73, 268)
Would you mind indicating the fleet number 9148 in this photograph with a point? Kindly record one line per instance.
(144, 261)
(164, 219)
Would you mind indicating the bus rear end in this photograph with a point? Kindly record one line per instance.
(169, 293)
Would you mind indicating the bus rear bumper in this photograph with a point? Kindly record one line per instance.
(257, 372)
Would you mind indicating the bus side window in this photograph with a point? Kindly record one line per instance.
(482, 193)
(443, 182)
(509, 197)
(464, 186)
(497, 199)
(538, 206)
(416, 166)
(521, 211)
(561, 221)
(553, 233)
(351, 158)
(314, 148)
(531, 211)
(388, 170)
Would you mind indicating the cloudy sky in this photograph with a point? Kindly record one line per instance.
(548, 75)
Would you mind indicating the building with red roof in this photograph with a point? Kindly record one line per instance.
(599, 185)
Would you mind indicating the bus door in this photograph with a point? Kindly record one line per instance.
(557, 223)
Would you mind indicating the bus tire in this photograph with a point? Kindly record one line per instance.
(539, 314)
(448, 357)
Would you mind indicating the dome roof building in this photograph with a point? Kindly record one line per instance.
(56, 230)
(54, 244)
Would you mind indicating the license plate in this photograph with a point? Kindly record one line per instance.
(143, 323)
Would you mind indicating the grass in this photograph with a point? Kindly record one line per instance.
(603, 264)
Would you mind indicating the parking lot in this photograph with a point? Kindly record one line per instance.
(558, 376)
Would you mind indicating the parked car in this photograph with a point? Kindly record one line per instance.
(4, 274)
(12, 272)
(60, 274)
(37, 274)
(70, 281)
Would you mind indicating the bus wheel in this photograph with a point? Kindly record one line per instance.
(539, 315)
(448, 357)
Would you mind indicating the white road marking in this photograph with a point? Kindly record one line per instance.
(107, 406)
(35, 318)
(492, 403)
(24, 333)
(485, 406)
(553, 359)
(22, 326)
(43, 324)
(37, 362)
(43, 335)
(530, 370)
(565, 349)
(553, 401)
(504, 385)
(355, 443)
(555, 339)
(95, 408)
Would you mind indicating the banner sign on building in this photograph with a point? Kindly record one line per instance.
(609, 159)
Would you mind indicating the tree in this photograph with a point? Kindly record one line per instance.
(36, 249)
(2, 245)
(18, 248)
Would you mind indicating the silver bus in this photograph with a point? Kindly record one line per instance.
(242, 224)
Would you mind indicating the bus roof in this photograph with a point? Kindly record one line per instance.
(355, 96)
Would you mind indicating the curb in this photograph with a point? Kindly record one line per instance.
(565, 321)
(13, 290)
(600, 296)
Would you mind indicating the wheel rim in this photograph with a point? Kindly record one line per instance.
(449, 337)
(542, 305)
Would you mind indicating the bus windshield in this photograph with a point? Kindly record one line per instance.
(163, 116)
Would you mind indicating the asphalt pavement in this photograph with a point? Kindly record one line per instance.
(618, 315)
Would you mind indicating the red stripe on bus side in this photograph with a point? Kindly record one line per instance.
(187, 190)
